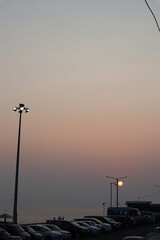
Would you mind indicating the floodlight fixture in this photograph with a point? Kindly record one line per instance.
(21, 108)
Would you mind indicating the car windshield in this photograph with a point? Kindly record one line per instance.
(94, 220)
(112, 220)
(90, 223)
(30, 230)
(107, 219)
(76, 224)
(44, 228)
(16, 228)
(84, 224)
(54, 227)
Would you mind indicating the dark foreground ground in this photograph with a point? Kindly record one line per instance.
(140, 231)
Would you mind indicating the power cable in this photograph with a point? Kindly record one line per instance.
(150, 195)
(152, 15)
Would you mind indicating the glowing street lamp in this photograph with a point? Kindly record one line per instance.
(118, 184)
(21, 108)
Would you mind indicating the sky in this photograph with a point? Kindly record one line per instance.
(89, 72)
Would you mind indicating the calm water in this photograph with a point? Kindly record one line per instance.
(41, 214)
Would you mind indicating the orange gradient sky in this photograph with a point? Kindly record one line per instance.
(89, 72)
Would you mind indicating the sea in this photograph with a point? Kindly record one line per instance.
(41, 214)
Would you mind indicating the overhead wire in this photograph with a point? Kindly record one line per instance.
(150, 195)
(153, 15)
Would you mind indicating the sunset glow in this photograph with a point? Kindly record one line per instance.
(89, 72)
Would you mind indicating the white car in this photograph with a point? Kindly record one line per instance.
(47, 233)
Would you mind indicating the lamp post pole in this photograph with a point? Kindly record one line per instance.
(117, 181)
(117, 190)
(111, 192)
(21, 108)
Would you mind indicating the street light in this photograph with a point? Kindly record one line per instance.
(118, 184)
(21, 108)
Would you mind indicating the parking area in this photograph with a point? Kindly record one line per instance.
(139, 231)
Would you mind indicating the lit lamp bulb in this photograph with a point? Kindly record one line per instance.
(120, 183)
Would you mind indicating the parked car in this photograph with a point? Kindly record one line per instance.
(119, 224)
(154, 234)
(125, 220)
(105, 226)
(72, 227)
(47, 233)
(93, 229)
(156, 230)
(93, 224)
(65, 234)
(148, 217)
(32, 232)
(115, 225)
(16, 230)
(4, 235)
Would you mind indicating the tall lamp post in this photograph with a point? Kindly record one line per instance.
(118, 184)
(21, 108)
